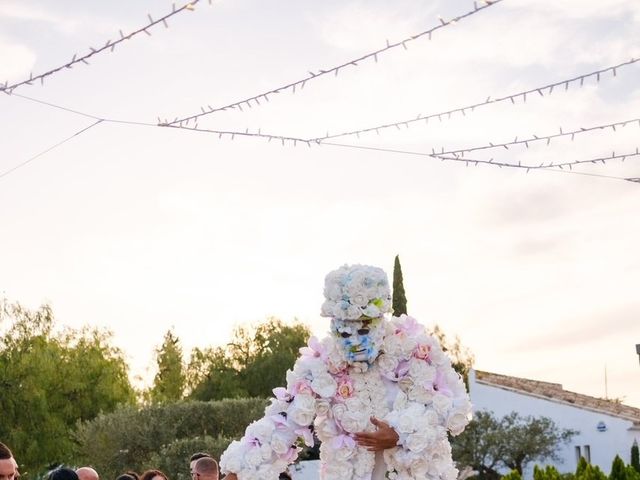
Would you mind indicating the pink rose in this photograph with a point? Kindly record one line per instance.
(422, 351)
(345, 387)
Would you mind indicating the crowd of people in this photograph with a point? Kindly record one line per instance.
(202, 466)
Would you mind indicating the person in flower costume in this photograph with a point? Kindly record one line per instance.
(380, 395)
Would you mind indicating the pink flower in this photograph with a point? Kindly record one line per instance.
(440, 384)
(282, 394)
(343, 441)
(306, 435)
(301, 386)
(291, 455)
(409, 326)
(422, 351)
(313, 349)
(345, 387)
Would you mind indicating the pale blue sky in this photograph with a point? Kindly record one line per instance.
(138, 229)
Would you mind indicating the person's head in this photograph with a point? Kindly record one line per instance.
(285, 476)
(356, 299)
(194, 458)
(153, 475)
(8, 465)
(87, 473)
(128, 476)
(62, 473)
(205, 468)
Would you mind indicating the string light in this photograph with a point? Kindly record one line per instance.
(235, 133)
(109, 45)
(247, 102)
(548, 88)
(535, 138)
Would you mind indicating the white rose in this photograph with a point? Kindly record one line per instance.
(387, 362)
(420, 394)
(279, 444)
(261, 429)
(336, 471)
(354, 312)
(400, 401)
(231, 459)
(416, 442)
(352, 422)
(322, 407)
(266, 452)
(360, 299)
(326, 430)
(253, 456)
(405, 423)
(441, 403)
(456, 422)
(405, 384)
(339, 409)
(392, 345)
(324, 385)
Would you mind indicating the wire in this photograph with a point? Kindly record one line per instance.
(110, 45)
(489, 101)
(313, 75)
(26, 162)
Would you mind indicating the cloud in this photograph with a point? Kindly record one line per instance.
(17, 60)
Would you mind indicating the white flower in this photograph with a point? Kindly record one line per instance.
(387, 363)
(324, 385)
(261, 429)
(441, 403)
(456, 422)
(339, 409)
(323, 407)
(253, 456)
(302, 410)
(353, 422)
(280, 444)
(420, 394)
(416, 442)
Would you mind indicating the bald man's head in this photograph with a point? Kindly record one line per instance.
(206, 468)
(87, 473)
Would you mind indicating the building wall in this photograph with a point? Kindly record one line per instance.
(604, 446)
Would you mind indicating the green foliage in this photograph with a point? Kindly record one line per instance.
(169, 382)
(632, 473)
(253, 364)
(582, 466)
(635, 456)
(128, 438)
(399, 298)
(49, 382)
(489, 444)
(618, 469)
(514, 475)
(172, 459)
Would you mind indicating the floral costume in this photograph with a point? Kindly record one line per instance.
(408, 382)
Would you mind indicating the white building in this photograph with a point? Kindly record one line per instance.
(606, 428)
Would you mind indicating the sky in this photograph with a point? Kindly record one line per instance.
(139, 229)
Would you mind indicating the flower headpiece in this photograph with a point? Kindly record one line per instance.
(356, 291)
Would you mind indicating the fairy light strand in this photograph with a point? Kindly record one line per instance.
(547, 89)
(109, 45)
(299, 84)
(536, 138)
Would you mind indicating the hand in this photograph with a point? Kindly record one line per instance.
(231, 476)
(383, 438)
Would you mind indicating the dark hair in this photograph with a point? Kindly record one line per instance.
(62, 473)
(128, 476)
(284, 476)
(149, 474)
(5, 453)
(198, 456)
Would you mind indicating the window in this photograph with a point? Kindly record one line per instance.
(587, 453)
(578, 454)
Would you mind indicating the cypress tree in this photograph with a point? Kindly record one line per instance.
(618, 470)
(399, 298)
(635, 456)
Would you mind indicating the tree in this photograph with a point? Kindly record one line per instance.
(635, 456)
(169, 382)
(489, 444)
(252, 364)
(618, 469)
(399, 298)
(49, 382)
(461, 357)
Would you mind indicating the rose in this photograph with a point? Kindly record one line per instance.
(422, 351)
(387, 363)
(405, 384)
(261, 429)
(324, 385)
(352, 422)
(339, 409)
(441, 403)
(322, 407)
(253, 456)
(360, 299)
(302, 410)
(231, 459)
(345, 387)
(279, 444)
(416, 442)
(456, 422)
(405, 422)
(420, 394)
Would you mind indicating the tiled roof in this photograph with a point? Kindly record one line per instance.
(554, 391)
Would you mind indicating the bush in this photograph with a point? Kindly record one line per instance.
(128, 438)
(514, 475)
(173, 459)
